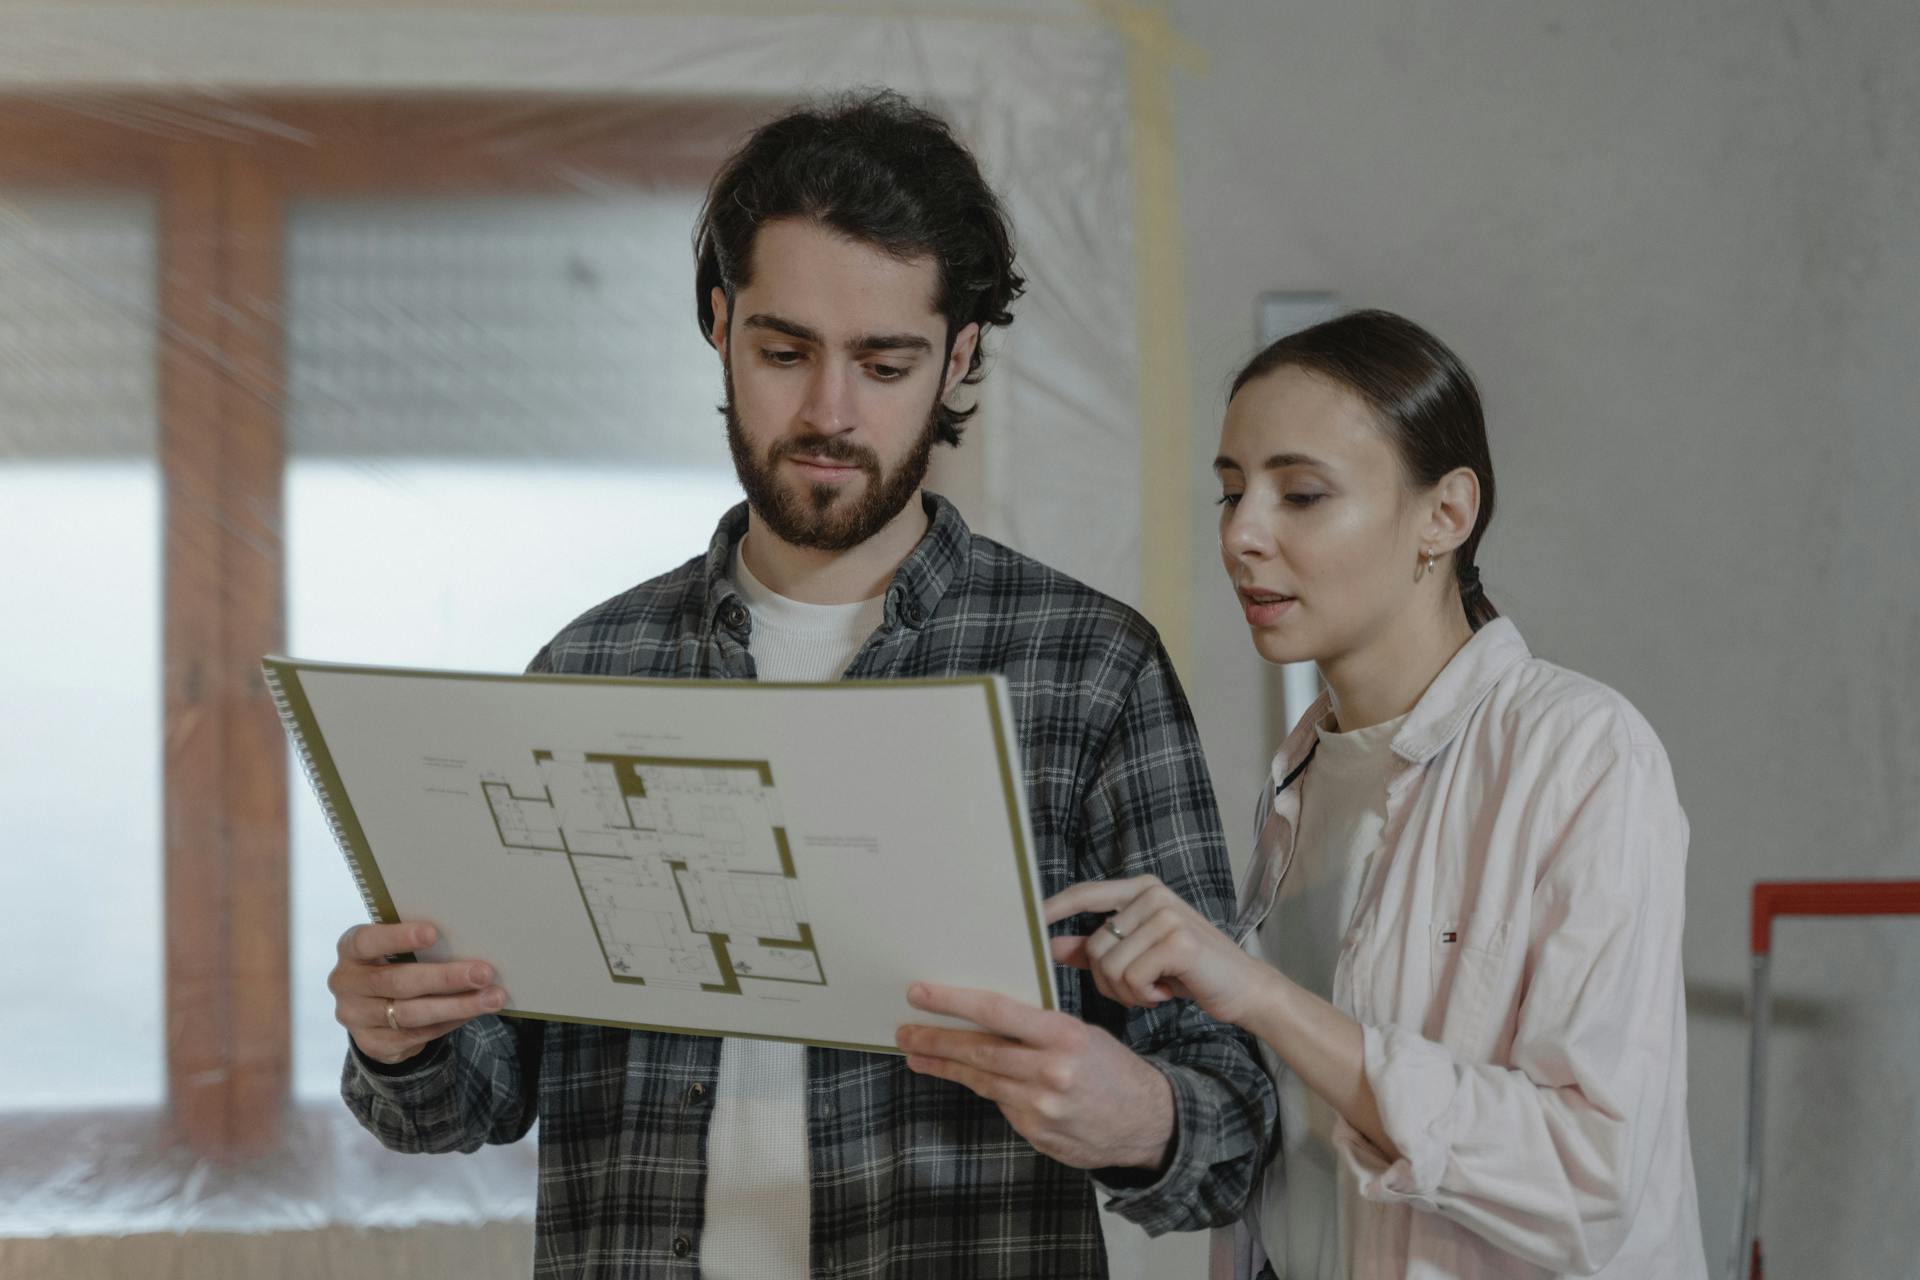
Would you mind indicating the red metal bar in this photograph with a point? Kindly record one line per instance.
(1773, 898)
(1828, 898)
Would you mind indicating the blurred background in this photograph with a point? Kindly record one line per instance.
(364, 332)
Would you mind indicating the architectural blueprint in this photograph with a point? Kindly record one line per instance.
(715, 857)
(683, 865)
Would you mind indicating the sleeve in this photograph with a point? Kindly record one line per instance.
(1150, 810)
(478, 1085)
(1548, 1158)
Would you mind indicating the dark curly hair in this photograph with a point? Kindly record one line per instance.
(875, 167)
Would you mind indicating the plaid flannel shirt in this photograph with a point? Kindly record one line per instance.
(910, 1176)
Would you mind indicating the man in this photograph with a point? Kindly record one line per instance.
(849, 260)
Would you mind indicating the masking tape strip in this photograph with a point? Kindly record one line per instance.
(1154, 49)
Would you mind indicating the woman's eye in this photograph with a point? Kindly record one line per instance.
(1303, 499)
(1228, 500)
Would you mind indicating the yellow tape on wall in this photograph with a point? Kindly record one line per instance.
(1154, 50)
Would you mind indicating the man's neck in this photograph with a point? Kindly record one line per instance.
(812, 576)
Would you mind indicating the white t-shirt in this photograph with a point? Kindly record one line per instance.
(757, 1203)
(1303, 1211)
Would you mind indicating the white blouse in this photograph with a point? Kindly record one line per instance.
(1514, 961)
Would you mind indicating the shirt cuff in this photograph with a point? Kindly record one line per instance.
(1414, 1083)
(1160, 1202)
(389, 1076)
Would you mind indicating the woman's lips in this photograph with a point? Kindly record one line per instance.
(1264, 608)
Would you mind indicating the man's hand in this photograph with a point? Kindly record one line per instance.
(393, 1011)
(1156, 947)
(1070, 1089)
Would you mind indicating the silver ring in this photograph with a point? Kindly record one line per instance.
(391, 1020)
(1115, 931)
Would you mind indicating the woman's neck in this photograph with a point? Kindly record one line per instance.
(1384, 678)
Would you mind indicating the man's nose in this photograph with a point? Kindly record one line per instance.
(827, 407)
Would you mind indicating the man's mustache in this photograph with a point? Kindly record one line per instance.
(827, 449)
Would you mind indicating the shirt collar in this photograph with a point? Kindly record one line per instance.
(916, 589)
(1442, 711)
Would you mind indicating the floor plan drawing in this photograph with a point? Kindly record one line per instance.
(761, 859)
(683, 865)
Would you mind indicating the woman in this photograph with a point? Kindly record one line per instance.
(1465, 909)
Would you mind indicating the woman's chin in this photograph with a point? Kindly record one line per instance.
(1278, 649)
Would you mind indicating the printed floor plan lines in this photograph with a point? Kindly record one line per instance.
(684, 865)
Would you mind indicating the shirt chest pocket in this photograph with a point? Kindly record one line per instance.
(1468, 984)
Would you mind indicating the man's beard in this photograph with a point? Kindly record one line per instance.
(818, 518)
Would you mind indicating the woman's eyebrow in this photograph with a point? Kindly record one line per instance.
(1274, 463)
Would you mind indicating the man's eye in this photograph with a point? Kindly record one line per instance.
(887, 372)
(781, 358)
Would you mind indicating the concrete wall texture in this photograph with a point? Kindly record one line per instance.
(1680, 246)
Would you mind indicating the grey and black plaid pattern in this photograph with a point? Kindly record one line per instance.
(911, 1177)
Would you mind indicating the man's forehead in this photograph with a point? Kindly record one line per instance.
(839, 286)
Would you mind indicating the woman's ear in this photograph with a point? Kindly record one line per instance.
(1454, 509)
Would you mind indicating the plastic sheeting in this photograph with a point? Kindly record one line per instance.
(123, 1172)
(467, 325)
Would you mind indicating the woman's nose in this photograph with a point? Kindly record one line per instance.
(1244, 536)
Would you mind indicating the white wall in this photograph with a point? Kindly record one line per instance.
(1680, 245)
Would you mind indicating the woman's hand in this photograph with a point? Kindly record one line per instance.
(1169, 950)
(1155, 947)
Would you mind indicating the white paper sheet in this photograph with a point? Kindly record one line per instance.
(718, 857)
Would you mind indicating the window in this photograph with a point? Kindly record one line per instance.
(80, 856)
(419, 376)
(500, 412)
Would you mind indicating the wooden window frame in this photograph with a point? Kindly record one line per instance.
(224, 170)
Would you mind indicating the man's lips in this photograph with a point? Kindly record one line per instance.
(826, 465)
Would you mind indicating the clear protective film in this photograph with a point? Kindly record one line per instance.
(369, 335)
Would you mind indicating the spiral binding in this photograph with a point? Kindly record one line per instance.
(319, 790)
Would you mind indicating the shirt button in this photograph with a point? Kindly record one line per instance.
(734, 616)
(915, 614)
(696, 1094)
(682, 1246)
(826, 1111)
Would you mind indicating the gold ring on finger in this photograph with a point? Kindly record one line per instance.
(391, 1020)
